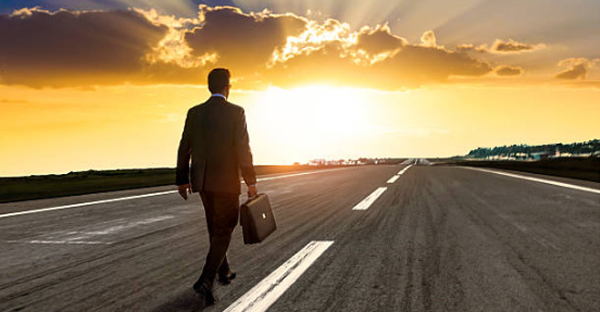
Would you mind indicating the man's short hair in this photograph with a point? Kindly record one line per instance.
(218, 79)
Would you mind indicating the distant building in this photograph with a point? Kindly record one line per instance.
(540, 155)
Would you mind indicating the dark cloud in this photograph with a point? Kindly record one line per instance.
(574, 72)
(505, 70)
(378, 40)
(577, 68)
(501, 46)
(86, 48)
(470, 47)
(511, 46)
(243, 41)
(64, 48)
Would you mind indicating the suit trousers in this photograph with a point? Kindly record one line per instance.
(222, 211)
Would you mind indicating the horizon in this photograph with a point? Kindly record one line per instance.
(331, 80)
(308, 163)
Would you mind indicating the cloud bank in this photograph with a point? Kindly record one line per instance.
(64, 48)
(86, 48)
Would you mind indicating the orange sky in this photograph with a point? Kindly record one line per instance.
(115, 92)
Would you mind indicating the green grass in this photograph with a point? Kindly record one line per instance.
(92, 181)
(576, 168)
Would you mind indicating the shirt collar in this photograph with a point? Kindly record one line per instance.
(219, 95)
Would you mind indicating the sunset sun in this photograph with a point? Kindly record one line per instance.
(309, 119)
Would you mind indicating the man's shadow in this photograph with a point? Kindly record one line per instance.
(186, 300)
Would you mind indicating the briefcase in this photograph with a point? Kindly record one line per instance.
(256, 219)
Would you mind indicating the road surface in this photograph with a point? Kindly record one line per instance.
(410, 237)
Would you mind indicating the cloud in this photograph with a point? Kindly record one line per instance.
(312, 38)
(378, 39)
(242, 41)
(500, 46)
(428, 39)
(173, 49)
(64, 48)
(577, 68)
(372, 57)
(87, 48)
(505, 70)
(512, 46)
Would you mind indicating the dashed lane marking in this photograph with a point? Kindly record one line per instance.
(369, 200)
(393, 179)
(265, 293)
(401, 172)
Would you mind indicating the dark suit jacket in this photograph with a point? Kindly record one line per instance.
(216, 138)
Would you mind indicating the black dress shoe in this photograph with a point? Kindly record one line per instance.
(225, 279)
(204, 290)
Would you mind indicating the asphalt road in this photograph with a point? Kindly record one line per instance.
(437, 239)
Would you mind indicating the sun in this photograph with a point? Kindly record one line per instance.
(305, 120)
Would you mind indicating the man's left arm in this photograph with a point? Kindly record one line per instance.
(182, 172)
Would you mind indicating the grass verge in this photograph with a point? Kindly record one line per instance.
(576, 168)
(95, 181)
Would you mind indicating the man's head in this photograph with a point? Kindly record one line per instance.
(218, 81)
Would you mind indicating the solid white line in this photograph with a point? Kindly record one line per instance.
(393, 179)
(294, 174)
(404, 170)
(61, 242)
(96, 202)
(512, 175)
(265, 293)
(19, 213)
(369, 200)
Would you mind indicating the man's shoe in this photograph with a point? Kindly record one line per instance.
(225, 279)
(204, 290)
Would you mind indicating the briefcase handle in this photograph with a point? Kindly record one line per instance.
(253, 197)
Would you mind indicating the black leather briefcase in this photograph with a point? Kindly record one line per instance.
(256, 219)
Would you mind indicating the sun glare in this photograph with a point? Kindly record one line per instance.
(305, 120)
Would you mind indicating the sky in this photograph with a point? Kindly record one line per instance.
(106, 84)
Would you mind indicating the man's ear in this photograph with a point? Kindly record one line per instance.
(226, 91)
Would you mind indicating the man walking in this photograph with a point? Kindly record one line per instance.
(215, 137)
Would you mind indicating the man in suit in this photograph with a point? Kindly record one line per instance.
(215, 137)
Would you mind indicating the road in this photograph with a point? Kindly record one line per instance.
(436, 238)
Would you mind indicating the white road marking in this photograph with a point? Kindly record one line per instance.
(78, 236)
(294, 174)
(121, 227)
(393, 179)
(90, 236)
(551, 182)
(369, 200)
(265, 293)
(61, 242)
(96, 202)
(408, 161)
(401, 172)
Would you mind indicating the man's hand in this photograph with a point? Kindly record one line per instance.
(252, 190)
(183, 190)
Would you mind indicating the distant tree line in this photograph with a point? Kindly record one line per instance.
(589, 148)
